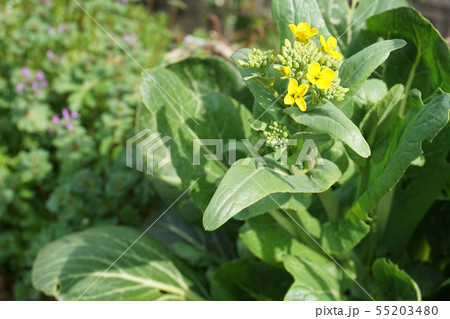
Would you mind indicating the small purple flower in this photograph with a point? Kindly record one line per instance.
(65, 113)
(50, 54)
(40, 76)
(69, 126)
(61, 28)
(47, 2)
(34, 85)
(20, 87)
(75, 115)
(26, 71)
(51, 30)
(44, 84)
(55, 119)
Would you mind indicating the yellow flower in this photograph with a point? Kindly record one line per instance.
(320, 78)
(329, 45)
(295, 94)
(286, 71)
(303, 31)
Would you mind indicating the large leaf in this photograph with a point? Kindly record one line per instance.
(379, 120)
(391, 162)
(69, 268)
(426, 59)
(367, 96)
(312, 282)
(297, 202)
(357, 69)
(191, 243)
(416, 193)
(286, 12)
(368, 8)
(205, 75)
(265, 238)
(243, 279)
(329, 119)
(393, 283)
(188, 117)
(245, 184)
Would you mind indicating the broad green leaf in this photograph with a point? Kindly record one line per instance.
(312, 281)
(371, 92)
(205, 75)
(387, 170)
(357, 69)
(367, 96)
(428, 278)
(165, 180)
(329, 119)
(243, 279)
(286, 12)
(380, 118)
(335, 14)
(393, 283)
(187, 117)
(297, 202)
(246, 183)
(368, 8)
(269, 242)
(416, 193)
(68, 268)
(425, 63)
(190, 243)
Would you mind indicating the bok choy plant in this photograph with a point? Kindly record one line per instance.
(330, 179)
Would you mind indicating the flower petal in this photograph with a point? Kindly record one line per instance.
(302, 89)
(286, 71)
(292, 86)
(303, 27)
(289, 100)
(323, 42)
(314, 69)
(335, 54)
(327, 74)
(323, 84)
(313, 32)
(311, 78)
(331, 42)
(301, 104)
(293, 28)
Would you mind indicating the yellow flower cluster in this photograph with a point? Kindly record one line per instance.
(309, 67)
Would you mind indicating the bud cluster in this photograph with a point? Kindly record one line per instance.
(335, 92)
(258, 61)
(277, 136)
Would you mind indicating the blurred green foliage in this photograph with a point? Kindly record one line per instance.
(67, 105)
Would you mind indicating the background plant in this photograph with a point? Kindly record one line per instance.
(377, 205)
(67, 106)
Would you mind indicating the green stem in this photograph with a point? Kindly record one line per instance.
(364, 180)
(380, 217)
(331, 204)
(273, 91)
(409, 83)
(349, 21)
